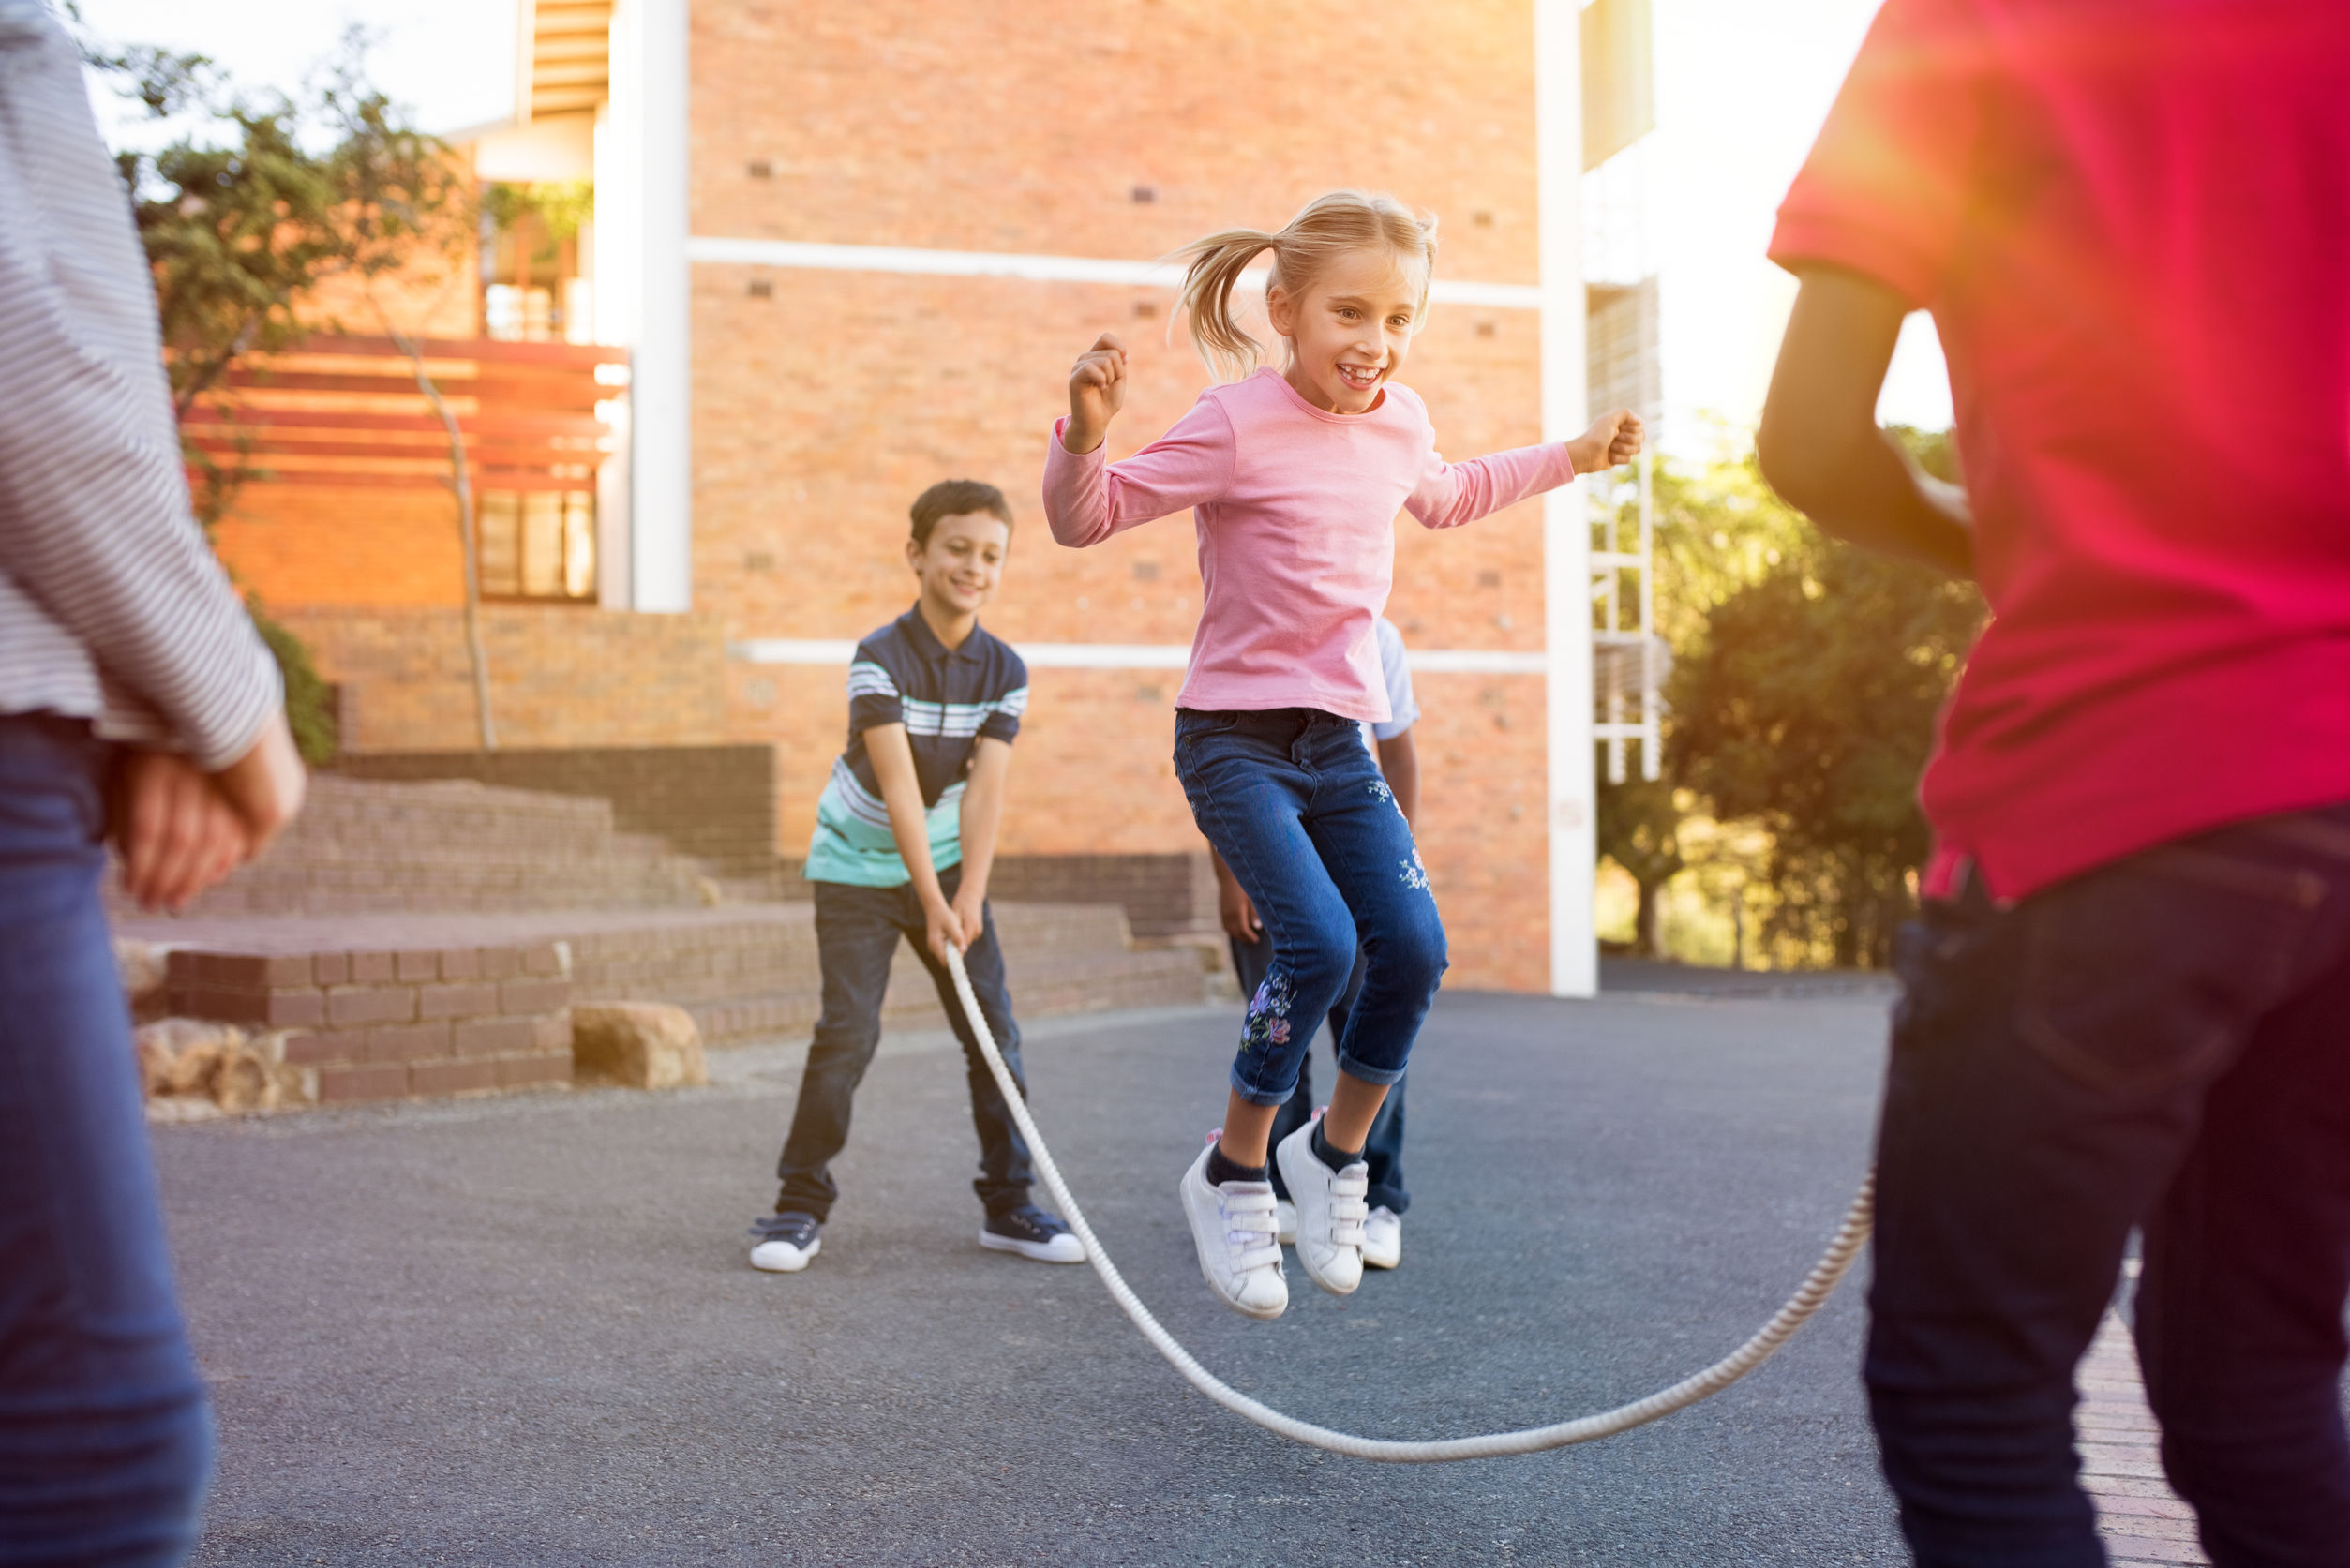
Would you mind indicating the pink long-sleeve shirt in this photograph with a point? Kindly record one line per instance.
(1295, 510)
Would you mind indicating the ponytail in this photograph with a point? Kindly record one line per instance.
(1212, 267)
(1325, 228)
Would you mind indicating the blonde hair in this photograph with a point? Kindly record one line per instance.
(1329, 226)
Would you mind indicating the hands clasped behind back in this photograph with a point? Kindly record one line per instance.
(181, 830)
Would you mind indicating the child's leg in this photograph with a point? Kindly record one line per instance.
(1361, 837)
(857, 932)
(1249, 793)
(1383, 1150)
(1248, 961)
(1005, 1174)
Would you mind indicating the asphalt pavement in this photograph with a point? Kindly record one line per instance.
(524, 1331)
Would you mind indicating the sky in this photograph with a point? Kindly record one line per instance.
(1742, 88)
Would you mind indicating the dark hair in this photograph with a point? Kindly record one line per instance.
(956, 498)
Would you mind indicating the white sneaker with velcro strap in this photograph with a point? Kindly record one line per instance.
(1331, 1208)
(1235, 1230)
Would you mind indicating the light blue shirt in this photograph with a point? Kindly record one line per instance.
(1396, 666)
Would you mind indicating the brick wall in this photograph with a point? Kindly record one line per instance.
(716, 803)
(822, 408)
(1026, 127)
(560, 676)
(380, 1025)
(1163, 894)
(305, 545)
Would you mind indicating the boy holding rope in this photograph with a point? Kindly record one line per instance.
(905, 839)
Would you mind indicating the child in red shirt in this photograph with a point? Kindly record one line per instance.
(2125, 1005)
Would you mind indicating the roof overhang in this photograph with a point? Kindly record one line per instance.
(563, 57)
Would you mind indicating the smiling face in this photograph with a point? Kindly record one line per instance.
(961, 565)
(1349, 330)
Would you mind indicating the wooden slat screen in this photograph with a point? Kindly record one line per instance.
(345, 412)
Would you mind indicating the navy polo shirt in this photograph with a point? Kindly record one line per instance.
(949, 700)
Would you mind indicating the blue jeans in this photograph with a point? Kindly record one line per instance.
(105, 1435)
(1383, 1150)
(857, 932)
(2162, 1043)
(1292, 799)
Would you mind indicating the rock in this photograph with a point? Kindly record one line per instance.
(637, 1045)
(188, 1061)
(241, 1081)
(144, 967)
(179, 1055)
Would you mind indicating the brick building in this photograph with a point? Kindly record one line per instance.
(852, 251)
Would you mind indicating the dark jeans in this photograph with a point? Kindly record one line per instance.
(105, 1435)
(857, 933)
(2162, 1043)
(1382, 1151)
(1293, 803)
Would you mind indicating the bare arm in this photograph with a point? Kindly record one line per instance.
(1234, 909)
(1821, 446)
(983, 814)
(901, 792)
(1399, 760)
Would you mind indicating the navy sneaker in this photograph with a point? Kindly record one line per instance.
(1033, 1233)
(786, 1242)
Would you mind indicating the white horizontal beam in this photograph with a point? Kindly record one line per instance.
(1033, 268)
(1133, 656)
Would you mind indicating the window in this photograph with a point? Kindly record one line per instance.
(538, 544)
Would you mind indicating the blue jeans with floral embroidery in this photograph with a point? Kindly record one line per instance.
(1293, 800)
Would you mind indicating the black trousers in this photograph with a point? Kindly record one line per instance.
(2162, 1044)
(858, 931)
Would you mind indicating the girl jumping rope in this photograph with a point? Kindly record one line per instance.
(1295, 477)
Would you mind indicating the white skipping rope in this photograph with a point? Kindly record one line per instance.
(1850, 1238)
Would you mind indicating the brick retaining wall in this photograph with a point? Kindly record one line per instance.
(383, 1026)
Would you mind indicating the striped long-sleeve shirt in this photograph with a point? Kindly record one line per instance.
(113, 607)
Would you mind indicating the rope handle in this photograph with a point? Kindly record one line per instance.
(1822, 1279)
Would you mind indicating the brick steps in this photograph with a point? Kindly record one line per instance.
(368, 848)
(426, 938)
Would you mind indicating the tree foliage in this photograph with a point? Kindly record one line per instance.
(269, 198)
(1639, 829)
(1807, 701)
(263, 201)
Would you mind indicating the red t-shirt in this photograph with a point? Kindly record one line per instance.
(2130, 220)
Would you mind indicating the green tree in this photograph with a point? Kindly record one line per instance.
(244, 218)
(1807, 704)
(1640, 828)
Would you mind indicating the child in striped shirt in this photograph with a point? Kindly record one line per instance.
(904, 838)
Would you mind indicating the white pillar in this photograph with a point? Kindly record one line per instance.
(1572, 789)
(661, 516)
(614, 239)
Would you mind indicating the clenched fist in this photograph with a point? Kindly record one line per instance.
(1612, 438)
(1097, 390)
